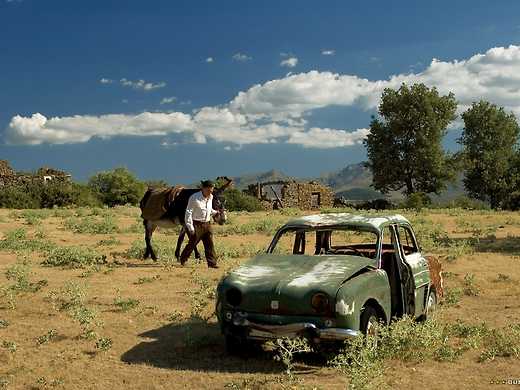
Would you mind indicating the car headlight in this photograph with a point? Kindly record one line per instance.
(233, 296)
(320, 302)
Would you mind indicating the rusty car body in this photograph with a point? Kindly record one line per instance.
(328, 277)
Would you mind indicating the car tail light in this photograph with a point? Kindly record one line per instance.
(320, 302)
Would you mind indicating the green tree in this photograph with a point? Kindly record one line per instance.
(405, 145)
(117, 187)
(489, 142)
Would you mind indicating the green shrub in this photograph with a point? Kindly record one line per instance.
(236, 200)
(17, 240)
(51, 194)
(117, 187)
(73, 257)
(91, 225)
(416, 201)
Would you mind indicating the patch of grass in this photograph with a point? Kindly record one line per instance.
(201, 297)
(11, 346)
(47, 337)
(71, 299)
(18, 274)
(73, 257)
(104, 344)
(364, 359)
(17, 240)
(503, 342)
(91, 225)
(125, 304)
(148, 279)
(452, 296)
(108, 241)
(470, 288)
(503, 278)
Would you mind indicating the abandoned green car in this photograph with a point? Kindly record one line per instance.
(328, 277)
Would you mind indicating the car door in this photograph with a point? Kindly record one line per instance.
(410, 253)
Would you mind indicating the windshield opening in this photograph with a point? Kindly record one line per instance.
(352, 241)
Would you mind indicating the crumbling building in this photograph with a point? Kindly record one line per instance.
(291, 193)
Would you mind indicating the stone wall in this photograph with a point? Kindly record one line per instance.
(8, 177)
(304, 195)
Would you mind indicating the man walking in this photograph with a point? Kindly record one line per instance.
(197, 220)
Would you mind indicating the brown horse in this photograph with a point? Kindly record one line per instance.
(175, 213)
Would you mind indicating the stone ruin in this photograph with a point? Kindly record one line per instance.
(8, 177)
(310, 195)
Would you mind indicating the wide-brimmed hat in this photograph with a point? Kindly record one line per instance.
(207, 184)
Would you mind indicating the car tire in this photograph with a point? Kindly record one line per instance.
(430, 305)
(234, 345)
(369, 318)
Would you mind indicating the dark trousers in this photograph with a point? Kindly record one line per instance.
(203, 232)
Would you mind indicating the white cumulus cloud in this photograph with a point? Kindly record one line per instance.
(168, 100)
(141, 84)
(275, 111)
(290, 62)
(328, 52)
(241, 57)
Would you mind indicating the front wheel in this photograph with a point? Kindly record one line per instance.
(369, 321)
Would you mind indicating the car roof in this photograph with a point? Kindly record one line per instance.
(346, 219)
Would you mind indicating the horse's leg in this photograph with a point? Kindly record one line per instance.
(180, 239)
(147, 239)
(149, 229)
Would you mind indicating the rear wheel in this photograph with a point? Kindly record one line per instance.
(431, 303)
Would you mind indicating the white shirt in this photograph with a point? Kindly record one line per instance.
(199, 209)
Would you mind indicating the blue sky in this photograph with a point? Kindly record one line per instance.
(181, 90)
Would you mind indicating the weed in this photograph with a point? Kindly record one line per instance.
(19, 274)
(503, 278)
(452, 296)
(286, 348)
(71, 299)
(470, 288)
(201, 296)
(45, 338)
(125, 305)
(91, 225)
(104, 343)
(502, 343)
(72, 257)
(148, 279)
(17, 240)
(11, 346)
(175, 316)
(4, 324)
(108, 241)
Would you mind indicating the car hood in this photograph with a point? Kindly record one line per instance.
(291, 280)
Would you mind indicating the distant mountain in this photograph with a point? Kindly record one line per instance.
(352, 182)
(352, 176)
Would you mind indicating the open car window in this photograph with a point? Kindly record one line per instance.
(323, 241)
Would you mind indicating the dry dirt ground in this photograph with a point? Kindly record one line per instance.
(147, 338)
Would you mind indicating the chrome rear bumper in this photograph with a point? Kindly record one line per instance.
(299, 329)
